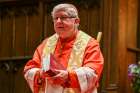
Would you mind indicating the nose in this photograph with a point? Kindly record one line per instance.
(58, 20)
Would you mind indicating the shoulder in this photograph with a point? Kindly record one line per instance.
(43, 43)
(93, 43)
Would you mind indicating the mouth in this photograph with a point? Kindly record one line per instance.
(60, 27)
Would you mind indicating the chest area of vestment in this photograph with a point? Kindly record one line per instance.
(63, 51)
(70, 54)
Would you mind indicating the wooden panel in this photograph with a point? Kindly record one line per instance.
(6, 36)
(106, 6)
(108, 25)
(131, 38)
(83, 14)
(89, 20)
(138, 31)
(121, 40)
(34, 34)
(114, 67)
(93, 21)
(11, 71)
(19, 84)
(20, 36)
(132, 23)
(127, 37)
(48, 28)
(4, 81)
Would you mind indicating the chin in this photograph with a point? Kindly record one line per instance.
(60, 31)
(62, 35)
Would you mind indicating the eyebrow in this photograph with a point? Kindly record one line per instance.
(62, 16)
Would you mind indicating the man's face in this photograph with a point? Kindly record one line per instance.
(64, 25)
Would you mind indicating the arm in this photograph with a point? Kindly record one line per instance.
(91, 68)
(32, 68)
(93, 57)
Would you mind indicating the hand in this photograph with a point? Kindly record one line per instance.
(60, 78)
(39, 80)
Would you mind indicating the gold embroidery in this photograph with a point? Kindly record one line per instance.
(77, 53)
(50, 45)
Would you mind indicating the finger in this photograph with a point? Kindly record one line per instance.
(60, 75)
(56, 71)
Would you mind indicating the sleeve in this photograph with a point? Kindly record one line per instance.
(93, 57)
(87, 76)
(33, 66)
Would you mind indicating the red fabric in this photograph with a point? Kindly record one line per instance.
(39, 82)
(31, 64)
(55, 64)
(92, 56)
(36, 85)
(73, 80)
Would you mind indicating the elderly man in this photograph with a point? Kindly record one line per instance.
(70, 61)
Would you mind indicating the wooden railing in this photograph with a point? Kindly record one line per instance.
(15, 58)
(136, 50)
(12, 64)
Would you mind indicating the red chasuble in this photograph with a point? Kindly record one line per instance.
(92, 57)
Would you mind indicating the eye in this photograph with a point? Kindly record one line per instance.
(62, 18)
(55, 18)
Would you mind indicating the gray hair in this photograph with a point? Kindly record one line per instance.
(69, 8)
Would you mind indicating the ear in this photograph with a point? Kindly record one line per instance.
(77, 20)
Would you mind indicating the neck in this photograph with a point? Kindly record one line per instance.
(69, 37)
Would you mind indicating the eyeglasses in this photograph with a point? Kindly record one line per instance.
(62, 18)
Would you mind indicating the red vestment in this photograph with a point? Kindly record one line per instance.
(92, 57)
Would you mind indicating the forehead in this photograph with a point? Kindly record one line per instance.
(60, 13)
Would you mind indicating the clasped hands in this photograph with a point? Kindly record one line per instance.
(60, 77)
